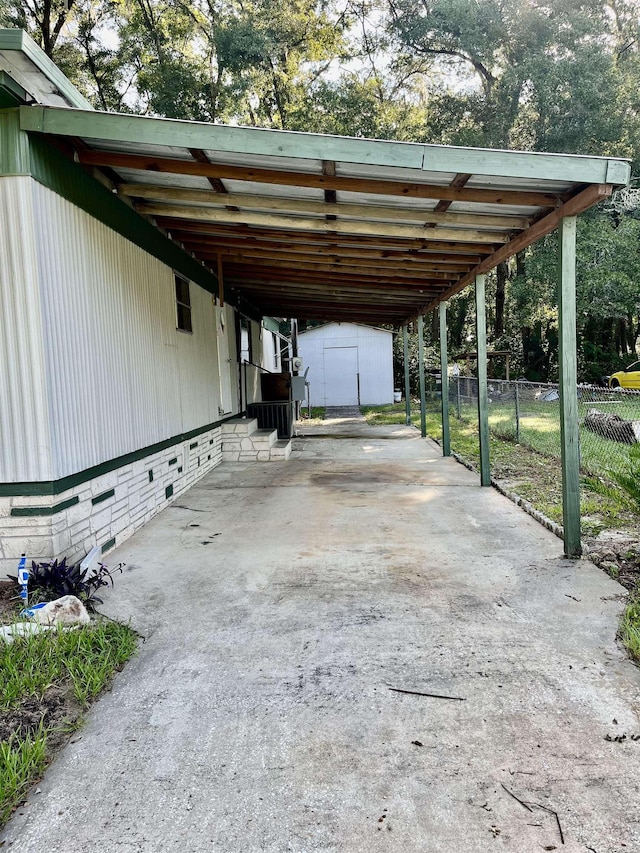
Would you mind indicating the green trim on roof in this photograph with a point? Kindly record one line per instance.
(14, 39)
(11, 93)
(52, 169)
(15, 154)
(146, 130)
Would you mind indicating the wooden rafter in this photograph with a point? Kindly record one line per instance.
(263, 248)
(143, 162)
(283, 223)
(293, 205)
(580, 202)
(181, 229)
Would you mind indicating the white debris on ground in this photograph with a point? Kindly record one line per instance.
(68, 611)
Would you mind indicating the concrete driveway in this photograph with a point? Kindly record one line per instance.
(281, 601)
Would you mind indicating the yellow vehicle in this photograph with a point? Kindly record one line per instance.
(627, 378)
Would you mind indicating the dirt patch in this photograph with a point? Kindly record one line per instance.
(9, 602)
(618, 554)
(57, 710)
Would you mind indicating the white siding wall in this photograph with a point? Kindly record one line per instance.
(375, 360)
(121, 376)
(25, 437)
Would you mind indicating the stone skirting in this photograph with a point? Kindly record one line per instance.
(106, 510)
(242, 441)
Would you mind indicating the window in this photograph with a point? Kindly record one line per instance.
(183, 305)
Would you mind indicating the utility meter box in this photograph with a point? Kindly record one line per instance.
(298, 388)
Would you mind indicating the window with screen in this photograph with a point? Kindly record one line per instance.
(183, 305)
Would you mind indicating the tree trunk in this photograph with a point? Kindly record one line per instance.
(611, 426)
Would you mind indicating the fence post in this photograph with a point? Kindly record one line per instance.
(407, 384)
(517, 414)
(423, 402)
(458, 409)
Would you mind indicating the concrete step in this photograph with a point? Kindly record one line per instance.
(264, 439)
(239, 426)
(281, 450)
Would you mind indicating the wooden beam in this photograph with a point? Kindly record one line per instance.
(483, 395)
(264, 248)
(425, 243)
(444, 381)
(429, 289)
(200, 157)
(145, 162)
(423, 394)
(220, 280)
(204, 244)
(327, 292)
(288, 273)
(362, 269)
(378, 155)
(412, 265)
(283, 223)
(569, 432)
(293, 205)
(458, 181)
(579, 203)
(407, 382)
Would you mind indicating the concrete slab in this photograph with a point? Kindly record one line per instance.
(281, 601)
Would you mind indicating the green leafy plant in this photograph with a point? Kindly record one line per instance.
(46, 681)
(630, 628)
(629, 478)
(55, 578)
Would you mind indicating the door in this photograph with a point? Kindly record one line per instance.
(341, 376)
(224, 361)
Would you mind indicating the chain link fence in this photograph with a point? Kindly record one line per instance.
(528, 413)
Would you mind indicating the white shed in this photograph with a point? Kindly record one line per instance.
(348, 364)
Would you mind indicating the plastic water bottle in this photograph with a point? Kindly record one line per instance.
(23, 579)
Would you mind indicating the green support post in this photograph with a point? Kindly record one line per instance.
(569, 434)
(407, 384)
(483, 397)
(423, 398)
(444, 381)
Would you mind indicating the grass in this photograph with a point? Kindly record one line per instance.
(317, 414)
(610, 492)
(46, 680)
(630, 628)
(21, 762)
(532, 468)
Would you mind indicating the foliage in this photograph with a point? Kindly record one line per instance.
(55, 578)
(528, 75)
(630, 628)
(76, 665)
(629, 478)
(21, 761)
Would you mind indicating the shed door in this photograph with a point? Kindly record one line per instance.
(341, 376)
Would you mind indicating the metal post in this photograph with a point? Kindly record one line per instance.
(423, 401)
(483, 397)
(569, 434)
(517, 413)
(458, 409)
(444, 381)
(407, 383)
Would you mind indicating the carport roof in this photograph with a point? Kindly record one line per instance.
(325, 227)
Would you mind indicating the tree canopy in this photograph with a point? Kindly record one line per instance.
(525, 74)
